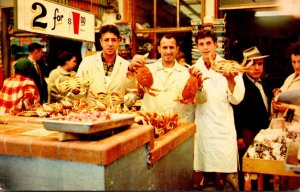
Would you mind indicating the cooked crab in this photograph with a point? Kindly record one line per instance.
(144, 78)
(229, 66)
(72, 85)
(191, 88)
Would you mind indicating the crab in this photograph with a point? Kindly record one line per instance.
(190, 89)
(144, 78)
(162, 123)
(227, 66)
(72, 85)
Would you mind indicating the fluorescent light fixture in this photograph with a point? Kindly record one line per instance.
(271, 13)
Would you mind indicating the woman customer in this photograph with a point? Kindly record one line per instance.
(67, 64)
(19, 92)
(292, 82)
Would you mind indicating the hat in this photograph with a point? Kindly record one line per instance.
(33, 46)
(23, 64)
(252, 53)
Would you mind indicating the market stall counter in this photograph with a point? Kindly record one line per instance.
(267, 155)
(32, 158)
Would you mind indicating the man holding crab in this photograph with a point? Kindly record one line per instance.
(164, 95)
(106, 70)
(215, 152)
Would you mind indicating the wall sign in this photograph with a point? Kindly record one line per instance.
(40, 16)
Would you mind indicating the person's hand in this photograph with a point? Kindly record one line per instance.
(276, 91)
(195, 71)
(230, 79)
(278, 106)
(230, 75)
(241, 143)
(137, 61)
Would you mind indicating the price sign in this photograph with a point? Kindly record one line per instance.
(40, 16)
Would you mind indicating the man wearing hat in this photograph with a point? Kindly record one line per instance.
(35, 54)
(19, 91)
(253, 112)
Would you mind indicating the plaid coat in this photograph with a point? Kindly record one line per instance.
(18, 93)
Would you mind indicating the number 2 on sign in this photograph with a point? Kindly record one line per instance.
(41, 12)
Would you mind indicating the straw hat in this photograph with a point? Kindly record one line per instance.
(251, 54)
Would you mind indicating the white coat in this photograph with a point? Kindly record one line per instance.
(215, 139)
(91, 67)
(292, 82)
(165, 101)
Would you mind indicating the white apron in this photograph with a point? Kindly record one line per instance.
(215, 139)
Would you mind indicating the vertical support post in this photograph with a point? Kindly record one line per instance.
(133, 26)
(260, 182)
(5, 42)
(155, 24)
(178, 14)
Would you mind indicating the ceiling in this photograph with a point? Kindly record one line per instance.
(191, 8)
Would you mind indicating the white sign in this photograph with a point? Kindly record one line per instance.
(40, 16)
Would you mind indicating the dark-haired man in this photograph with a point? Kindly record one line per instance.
(35, 54)
(106, 69)
(216, 150)
(169, 79)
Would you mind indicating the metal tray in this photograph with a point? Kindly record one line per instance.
(291, 161)
(117, 120)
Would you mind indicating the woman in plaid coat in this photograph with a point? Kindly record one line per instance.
(19, 91)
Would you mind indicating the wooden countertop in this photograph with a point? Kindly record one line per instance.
(26, 136)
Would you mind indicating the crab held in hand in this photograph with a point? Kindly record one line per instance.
(144, 78)
(190, 89)
(229, 66)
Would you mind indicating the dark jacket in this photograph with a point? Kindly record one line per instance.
(251, 113)
(41, 84)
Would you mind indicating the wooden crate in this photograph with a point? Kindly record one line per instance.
(264, 166)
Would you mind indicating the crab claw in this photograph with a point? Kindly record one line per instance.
(187, 101)
(129, 74)
(151, 91)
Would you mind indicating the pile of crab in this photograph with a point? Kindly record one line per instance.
(162, 123)
(65, 107)
(271, 144)
(113, 102)
(72, 86)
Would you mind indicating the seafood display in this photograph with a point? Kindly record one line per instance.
(162, 123)
(271, 144)
(81, 123)
(113, 102)
(72, 85)
(66, 107)
(87, 116)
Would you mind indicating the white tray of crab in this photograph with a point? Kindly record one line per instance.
(117, 120)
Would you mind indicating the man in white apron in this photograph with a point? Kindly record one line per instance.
(215, 139)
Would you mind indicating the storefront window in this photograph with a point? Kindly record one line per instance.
(152, 18)
(167, 13)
